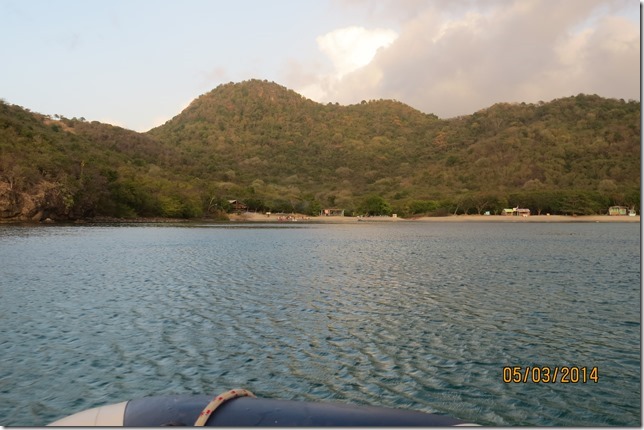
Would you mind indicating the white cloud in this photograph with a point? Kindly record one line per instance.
(349, 49)
(454, 58)
(353, 47)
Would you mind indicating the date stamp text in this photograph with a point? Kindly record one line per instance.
(550, 374)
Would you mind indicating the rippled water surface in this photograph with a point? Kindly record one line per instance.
(410, 315)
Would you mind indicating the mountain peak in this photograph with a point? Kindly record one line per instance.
(240, 99)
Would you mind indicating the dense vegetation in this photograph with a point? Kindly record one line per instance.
(272, 149)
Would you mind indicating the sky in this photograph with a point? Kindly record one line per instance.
(138, 63)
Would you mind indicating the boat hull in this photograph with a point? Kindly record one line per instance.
(247, 412)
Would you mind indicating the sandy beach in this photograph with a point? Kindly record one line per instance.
(257, 217)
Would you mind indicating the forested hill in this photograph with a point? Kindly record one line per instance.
(273, 149)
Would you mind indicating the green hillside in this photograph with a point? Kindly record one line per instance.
(269, 147)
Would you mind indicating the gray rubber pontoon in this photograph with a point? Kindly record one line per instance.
(248, 411)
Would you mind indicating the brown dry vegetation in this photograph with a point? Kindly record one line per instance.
(274, 150)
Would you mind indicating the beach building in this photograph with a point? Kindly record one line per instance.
(621, 210)
(237, 206)
(617, 210)
(516, 212)
(332, 212)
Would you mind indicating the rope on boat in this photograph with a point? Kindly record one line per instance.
(218, 401)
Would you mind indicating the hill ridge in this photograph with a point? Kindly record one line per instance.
(267, 145)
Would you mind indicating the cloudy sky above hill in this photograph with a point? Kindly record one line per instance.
(137, 63)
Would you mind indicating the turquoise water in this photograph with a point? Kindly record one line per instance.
(419, 316)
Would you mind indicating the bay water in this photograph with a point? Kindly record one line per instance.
(412, 315)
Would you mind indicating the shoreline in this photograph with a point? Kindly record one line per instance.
(251, 217)
(255, 217)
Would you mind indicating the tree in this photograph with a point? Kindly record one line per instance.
(217, 207)
(375, 205)
(256, 205)
(422, 206)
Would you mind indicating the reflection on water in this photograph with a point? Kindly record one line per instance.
(409, 315)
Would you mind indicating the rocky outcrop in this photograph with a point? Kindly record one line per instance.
(9, 204)
(42, 202)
